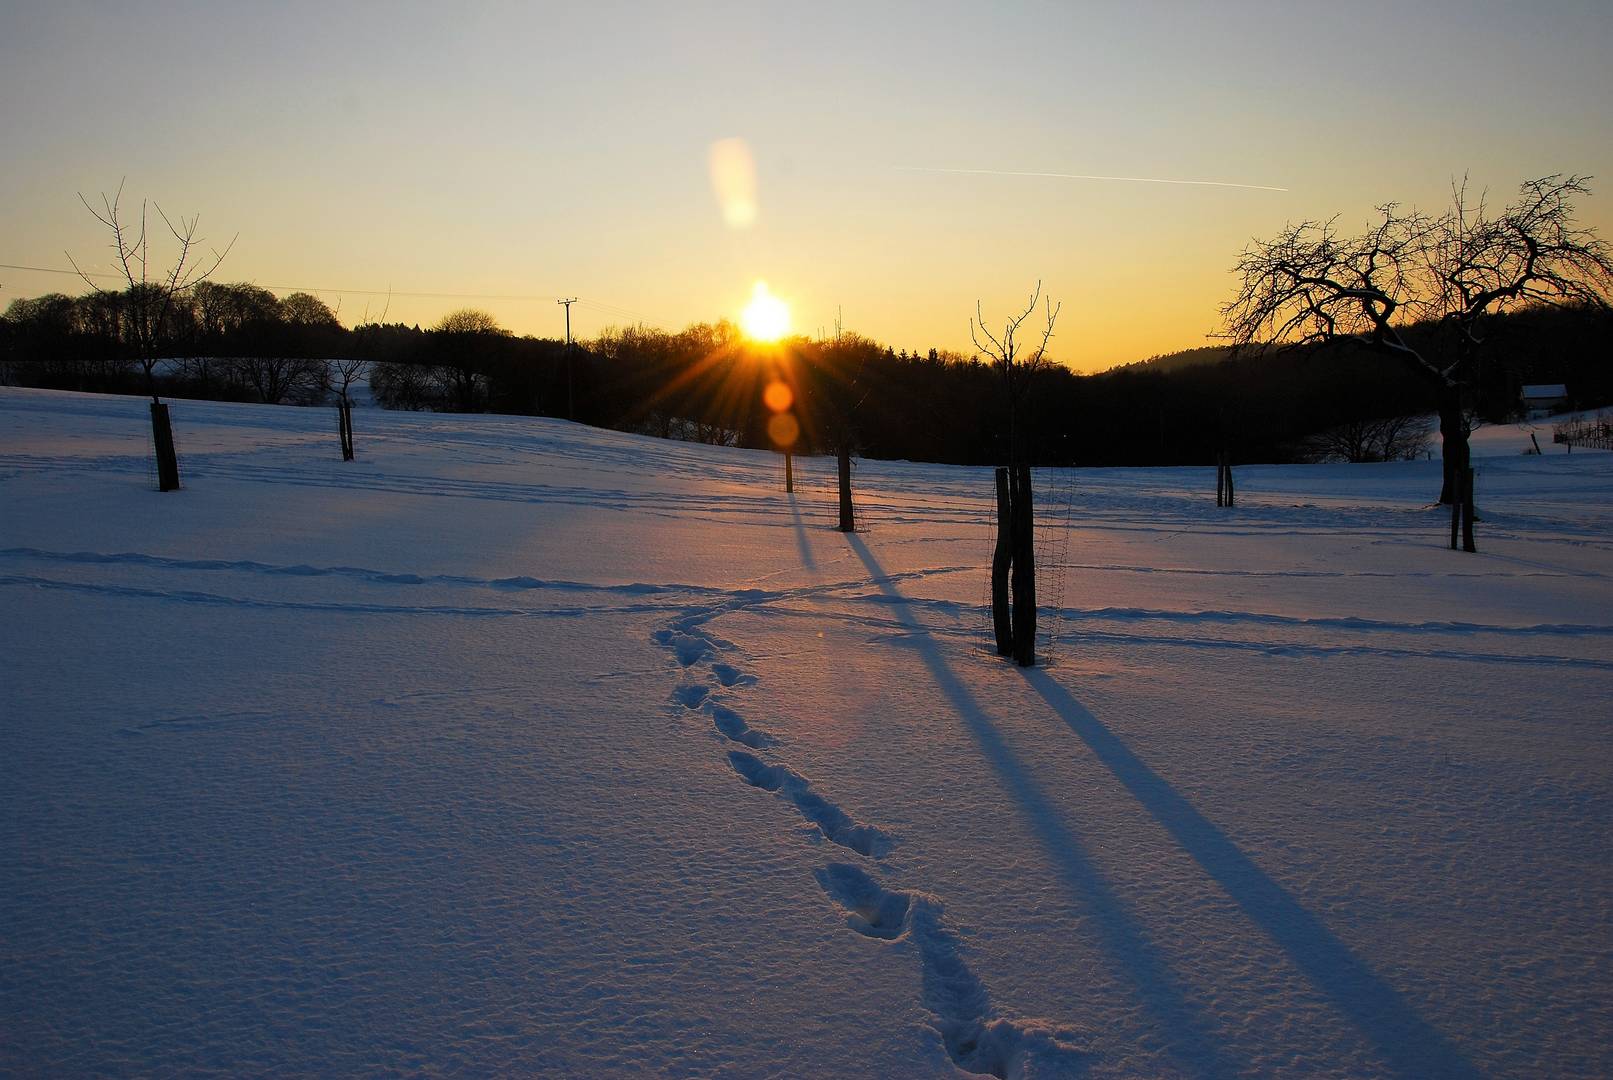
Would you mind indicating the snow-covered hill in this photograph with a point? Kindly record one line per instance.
(516, 747)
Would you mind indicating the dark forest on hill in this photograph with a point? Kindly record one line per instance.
(240, 342)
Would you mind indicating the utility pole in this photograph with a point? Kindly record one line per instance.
(571, 410)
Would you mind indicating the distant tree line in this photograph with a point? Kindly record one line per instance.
(241, 342)
(223, 342)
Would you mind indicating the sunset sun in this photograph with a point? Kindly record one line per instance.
(766, 317)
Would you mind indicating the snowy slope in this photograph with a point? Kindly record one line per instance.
(519, 747)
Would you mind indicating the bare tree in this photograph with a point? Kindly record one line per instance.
(1005, 352)
(466, 341)
(1388, 438)
(1014, 558)
(403, 385)
(273, 379)
(844, 359)
(306, 310)
(1311, 284)
(151, 299)
(342, 373)
(339, 376)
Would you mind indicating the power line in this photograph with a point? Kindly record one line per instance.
(618, 310)
(48, 270)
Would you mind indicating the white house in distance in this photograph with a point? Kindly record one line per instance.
(1544, 399)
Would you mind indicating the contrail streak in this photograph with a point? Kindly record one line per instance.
(1084, 176)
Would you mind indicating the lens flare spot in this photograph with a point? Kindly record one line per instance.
(766, 317)
(733, 181)
(778, 396)
(783, 429)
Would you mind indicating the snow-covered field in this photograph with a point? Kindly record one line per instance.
(516, 747)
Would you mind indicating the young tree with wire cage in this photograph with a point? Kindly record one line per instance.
(151, 301)
(1013, 564)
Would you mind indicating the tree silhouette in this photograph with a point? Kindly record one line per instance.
(465, 341)
(150, 300)
(1459, 269)
(1015, 555)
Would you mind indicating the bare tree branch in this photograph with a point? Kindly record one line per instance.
(1310, 285)
(149, 304)
(1003, 353)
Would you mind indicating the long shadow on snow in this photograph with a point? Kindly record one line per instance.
(801, 537)
(1178, 1021)
(1412, 1046)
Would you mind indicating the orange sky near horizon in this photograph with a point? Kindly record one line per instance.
(512, 155)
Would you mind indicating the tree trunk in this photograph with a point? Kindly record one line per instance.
(1454, 454)
(162, 437)
(1232, 491)
(1024, 570)
(847, 520)
(1220, 479)
(344, 427)
(789, 474)
(1001, 559)
(1456, 521)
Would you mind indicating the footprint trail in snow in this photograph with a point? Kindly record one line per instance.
(975, 1039)
(695, 650)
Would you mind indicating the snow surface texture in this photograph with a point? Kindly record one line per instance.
(519, 747)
